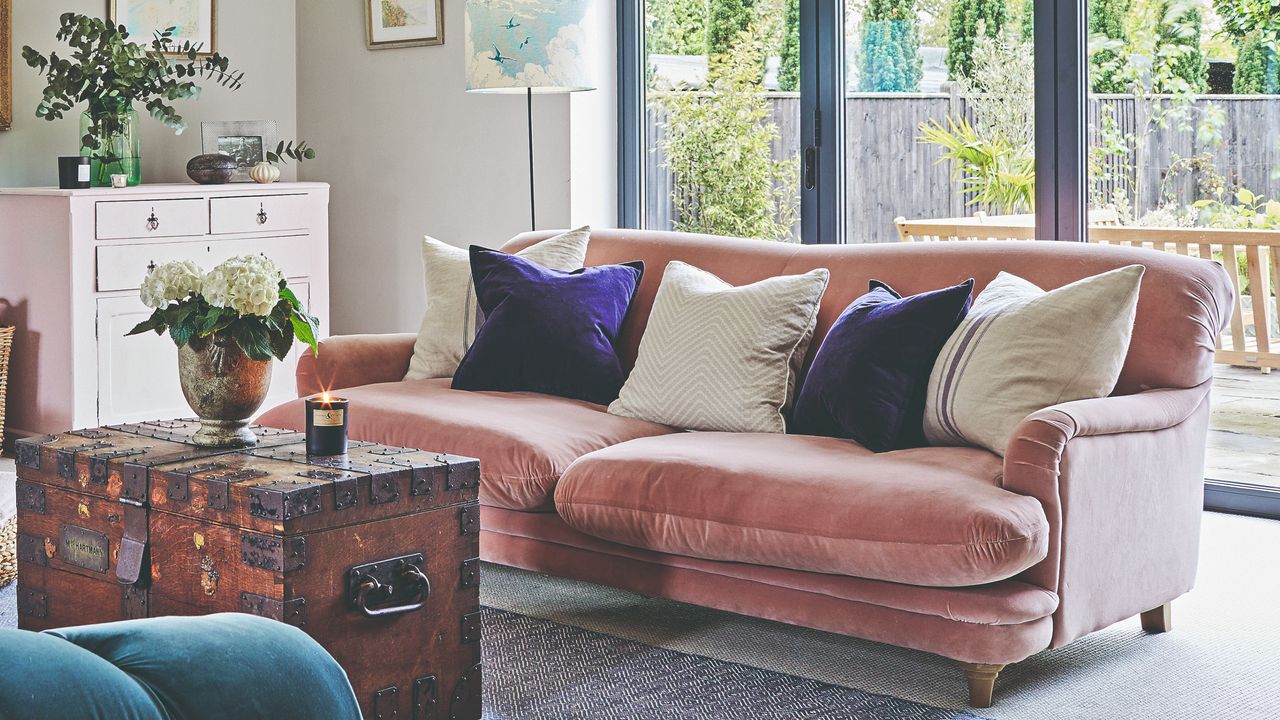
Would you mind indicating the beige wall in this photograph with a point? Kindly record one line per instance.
(408, 152)
(258, 36)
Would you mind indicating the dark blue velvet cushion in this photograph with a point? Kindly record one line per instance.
(869, 378)
(547, 331)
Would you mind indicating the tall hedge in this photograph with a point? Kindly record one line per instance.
(890, 59)
(789, 70)
(1257, 68)
(1178, 49)
(725, 19)
(1108, 71)
(968, 19)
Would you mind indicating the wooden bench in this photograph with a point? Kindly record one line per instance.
(1252, 265)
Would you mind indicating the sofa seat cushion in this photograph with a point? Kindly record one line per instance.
(925, 516)
(524, 441)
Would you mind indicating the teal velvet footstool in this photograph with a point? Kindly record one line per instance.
(228, 665)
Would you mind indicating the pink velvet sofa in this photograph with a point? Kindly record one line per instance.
(1091, 518)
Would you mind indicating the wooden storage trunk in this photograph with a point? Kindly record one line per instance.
(373, 553)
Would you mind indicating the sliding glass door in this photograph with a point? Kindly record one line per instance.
(826, 121)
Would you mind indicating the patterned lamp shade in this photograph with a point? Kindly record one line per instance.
(514, 46)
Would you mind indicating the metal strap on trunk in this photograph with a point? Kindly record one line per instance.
(133, 546)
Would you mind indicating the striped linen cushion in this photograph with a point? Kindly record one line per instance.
(1022, 349)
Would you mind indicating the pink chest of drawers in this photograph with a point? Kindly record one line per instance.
(71, 262)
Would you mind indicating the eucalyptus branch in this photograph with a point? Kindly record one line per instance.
(108, 73)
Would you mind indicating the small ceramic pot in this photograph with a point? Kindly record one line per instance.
(264, 172)
(211, 169)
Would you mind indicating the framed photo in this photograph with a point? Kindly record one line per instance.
(194, 20)
(6, 67)
(248, 142)
(403, 23)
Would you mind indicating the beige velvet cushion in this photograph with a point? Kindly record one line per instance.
(718, 357)
(450, 321)
(1022, 349)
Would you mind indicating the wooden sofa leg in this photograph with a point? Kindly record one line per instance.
(1158, 620)
(982, 681)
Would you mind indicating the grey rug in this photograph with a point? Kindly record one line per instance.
(540, 669)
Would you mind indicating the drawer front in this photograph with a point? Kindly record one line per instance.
(152, 218)
(122, 267)
(259, 213)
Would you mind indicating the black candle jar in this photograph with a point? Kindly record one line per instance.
(73, 172)
(326, 425)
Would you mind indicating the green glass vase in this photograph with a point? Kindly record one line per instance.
(117, 149)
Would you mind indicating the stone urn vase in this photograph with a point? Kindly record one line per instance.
(225, 388)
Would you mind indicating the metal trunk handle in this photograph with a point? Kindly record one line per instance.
(389, 587)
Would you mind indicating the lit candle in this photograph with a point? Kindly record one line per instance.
(326, 425)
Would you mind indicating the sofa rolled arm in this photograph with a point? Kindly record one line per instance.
(1121, 480)
(346, 361)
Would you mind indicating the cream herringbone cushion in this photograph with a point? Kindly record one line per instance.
(1022, 349)
(718, 357)
(450, 322)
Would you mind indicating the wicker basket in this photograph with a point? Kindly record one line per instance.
(6, 342)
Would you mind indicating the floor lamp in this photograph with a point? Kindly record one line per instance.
(528, 48)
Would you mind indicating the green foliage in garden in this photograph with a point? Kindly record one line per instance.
(676, 27)
(1027, 24)
(890, 60)
(789, 70)
(718, 146)
(969, 19)
(727, 19)
(1179, 64)
(1108, 50)
(1241, 18)
(1257, 67)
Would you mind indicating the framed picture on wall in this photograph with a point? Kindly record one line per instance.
(403, 23)
(194, 20)
(247, 141)
(6, 66)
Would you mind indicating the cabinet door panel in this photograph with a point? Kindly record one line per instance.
(138, 375)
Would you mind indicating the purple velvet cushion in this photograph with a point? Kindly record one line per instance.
(547, 331)
(869, 378)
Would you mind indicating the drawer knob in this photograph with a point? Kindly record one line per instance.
(151, 265)
(153, 222)
(262, 214)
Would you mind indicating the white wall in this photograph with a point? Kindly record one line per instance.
(257, 36)
(409, 152)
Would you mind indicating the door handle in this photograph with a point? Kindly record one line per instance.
(810, 168)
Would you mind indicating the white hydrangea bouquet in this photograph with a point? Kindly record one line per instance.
(244, 299)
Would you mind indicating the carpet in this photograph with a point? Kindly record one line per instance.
(539, 670)
(1222, 659)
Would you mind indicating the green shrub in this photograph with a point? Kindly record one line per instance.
(676, 27)
(1108, 54)
(1257, 69)
(718, 146)
(890, 60)
(789, 70)
(1179, 65)
(970, 18)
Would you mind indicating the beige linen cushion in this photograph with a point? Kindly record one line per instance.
(1022, 349)
(450, 322)
(718, 357)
